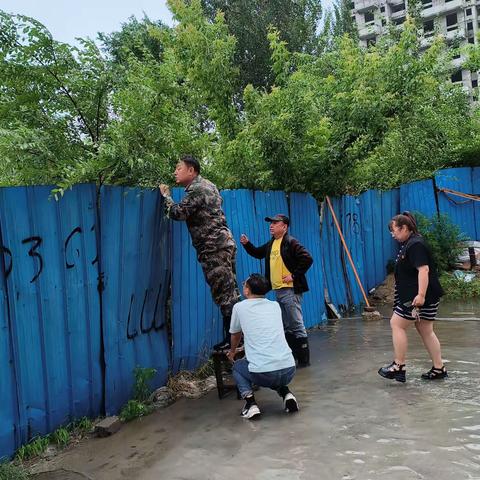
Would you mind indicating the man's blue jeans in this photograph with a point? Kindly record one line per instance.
(292, 316)
(245, 379)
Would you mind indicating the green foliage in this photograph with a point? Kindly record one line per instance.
(81, 426)
(134, 39)
(456, 289)
(141, 388)
(351, 119)
(318, 113)
(249, 21)
(139, 406)
(60, 437)
(134, 409)
(443, 238)
(32, 449)
(10, 471)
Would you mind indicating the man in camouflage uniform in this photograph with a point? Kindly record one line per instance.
(201, 208)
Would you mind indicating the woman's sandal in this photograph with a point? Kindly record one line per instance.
(435, 374)
(393, 371)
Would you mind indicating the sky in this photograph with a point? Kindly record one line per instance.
(68, 19)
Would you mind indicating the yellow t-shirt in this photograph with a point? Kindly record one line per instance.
(277, 268)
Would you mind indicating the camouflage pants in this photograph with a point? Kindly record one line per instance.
(219, 270)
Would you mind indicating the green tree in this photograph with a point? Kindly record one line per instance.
(53, 103)
(351, 119)
(134, 38)
(249, 22)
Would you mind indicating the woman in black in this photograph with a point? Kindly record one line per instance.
(417, 295)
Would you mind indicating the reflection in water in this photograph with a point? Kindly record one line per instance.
(393, 430)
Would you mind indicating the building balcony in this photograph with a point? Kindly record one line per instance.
(439, 9)
(365, 5)
(370, 30)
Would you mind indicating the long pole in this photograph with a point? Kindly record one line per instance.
(347, 250)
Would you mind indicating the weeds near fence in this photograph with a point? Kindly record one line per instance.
(60, 438)
(10, 471)
(34, 448)
(457, 289)
(443, 237)
(139, 405)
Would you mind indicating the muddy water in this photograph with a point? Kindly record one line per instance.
(353, 424)
(451, 310)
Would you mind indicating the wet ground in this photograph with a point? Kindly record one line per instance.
(353, 424)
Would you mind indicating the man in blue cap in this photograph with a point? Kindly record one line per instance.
(287, 261)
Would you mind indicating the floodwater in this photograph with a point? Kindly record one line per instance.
(353, 424)
(452, 310)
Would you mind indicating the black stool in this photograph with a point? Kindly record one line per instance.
(223, 372)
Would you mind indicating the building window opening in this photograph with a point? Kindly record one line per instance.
(456, 77)
(428, 28)
(452, 22)
(369, 17)
(398, 8)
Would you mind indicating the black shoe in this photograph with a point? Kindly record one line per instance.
(290, 403)
(435, 374)
(250, 409)
(394, 371)
(223, 345)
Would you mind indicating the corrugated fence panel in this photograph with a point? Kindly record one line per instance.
(305, 225)
(240, 211)
(418, 197)
(9, 441)
(377, 208)
(334, 275)
(460, 210)
(476, 205)
(196, 320)
(77, 226)
(135, 264)
(352, 231)
(43, 305)
(371, 204)
(390, 207)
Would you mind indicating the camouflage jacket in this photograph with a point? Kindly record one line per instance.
(201, 208)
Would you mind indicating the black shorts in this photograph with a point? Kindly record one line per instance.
(426, 312)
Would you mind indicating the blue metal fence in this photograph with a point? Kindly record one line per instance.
(306, 227)
(460, 210)
(84, 289)
(52, 307)
(135, 266)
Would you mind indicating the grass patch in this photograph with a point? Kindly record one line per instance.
(10, 471)
(456, 289)
(60, 437)
(34, 448)
(81, 427)
(134, 409)
(139, 405)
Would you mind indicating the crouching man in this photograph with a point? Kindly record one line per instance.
(268, 359)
